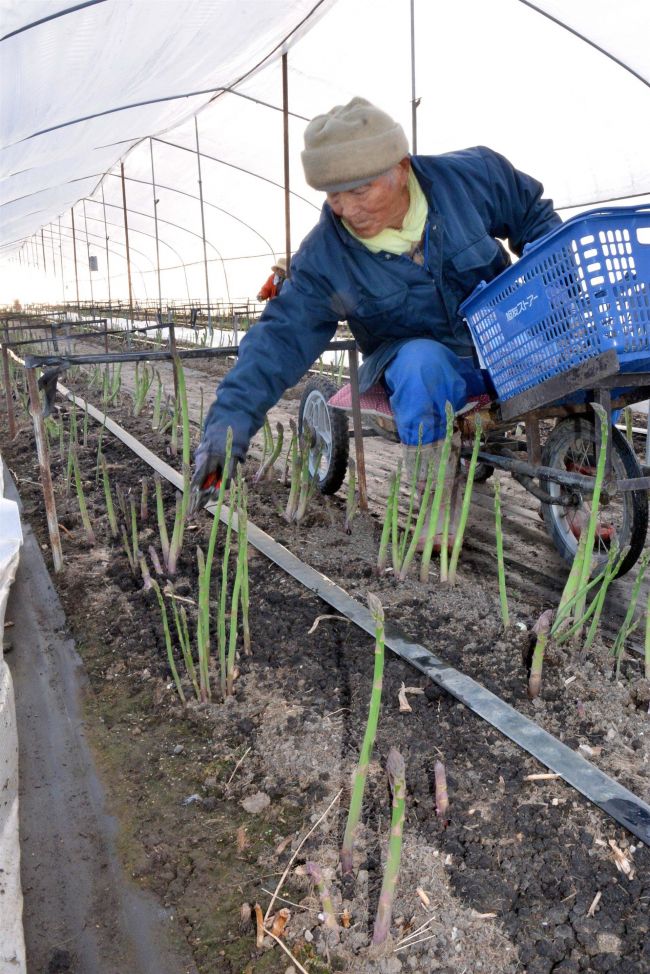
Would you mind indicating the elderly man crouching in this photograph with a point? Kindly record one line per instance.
(401, 241)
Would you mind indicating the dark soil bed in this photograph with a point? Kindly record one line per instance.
(213, 798)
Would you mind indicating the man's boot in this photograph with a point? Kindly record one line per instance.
(431, 453)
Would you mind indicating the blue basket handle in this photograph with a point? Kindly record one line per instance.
(605, 211)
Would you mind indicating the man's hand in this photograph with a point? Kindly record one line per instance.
(208, 473)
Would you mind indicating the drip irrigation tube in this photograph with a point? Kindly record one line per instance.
(619, 803)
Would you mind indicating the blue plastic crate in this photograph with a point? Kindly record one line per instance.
(582, 289)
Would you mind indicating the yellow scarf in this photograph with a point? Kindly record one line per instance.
(400, 241)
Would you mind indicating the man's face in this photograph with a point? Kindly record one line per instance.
(371, 208)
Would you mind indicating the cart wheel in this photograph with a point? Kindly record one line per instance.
(572, 446)
(482, 471)
(331, 434)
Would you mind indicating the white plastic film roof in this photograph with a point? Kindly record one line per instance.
(73, 89)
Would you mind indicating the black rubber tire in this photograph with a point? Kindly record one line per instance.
(575, 439)
(331, 429)
(482, 471)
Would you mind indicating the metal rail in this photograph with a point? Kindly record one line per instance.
(611, 797)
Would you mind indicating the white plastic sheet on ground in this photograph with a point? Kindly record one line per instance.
(12, 945)
(500, 73)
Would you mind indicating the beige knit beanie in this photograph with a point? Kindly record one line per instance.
(351, 145)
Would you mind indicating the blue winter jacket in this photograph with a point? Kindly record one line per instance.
(474, 196)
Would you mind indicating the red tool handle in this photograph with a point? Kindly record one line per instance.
(212, 481)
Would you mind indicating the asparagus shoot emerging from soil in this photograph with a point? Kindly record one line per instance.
(292, 502)
(83, 510)
(205, 573)
(155, 422)
(128, 552)
(135, 540)
(361, 775)
(168, 641)
(314, 872)
(242, 536)
(267, 442)
(610, 570)
(351, 500)
(307, 481)
(182, 631)
(388, 521)
(467, 496)
(541, 629)
(442, 798)
(614, 563)
(237, 585)
(419, 523)
(155, 560)
(267, 465)
(394, 528)
(569, 592)
(413, 496)
(144, 500)
(176, 543)
(438, 496)
(503, 595)
(595, 502)
(444, 543)
(627, 627)
(110, 510)
(144, 571)
(162, 524)
(396, 771)
(223, 595)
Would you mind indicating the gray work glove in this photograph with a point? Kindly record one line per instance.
(208, 474)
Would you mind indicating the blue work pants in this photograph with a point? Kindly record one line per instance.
(420, 379)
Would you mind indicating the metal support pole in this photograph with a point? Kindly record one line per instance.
(11, 415)
(205, 252)
(128, 255)
(46, 475)
(155, 224)
(108, 266)
(52, 242)
(61, 259)
(90, 273)
(414, 101)
(43, 246)
(74, 248)
(287, 195)
(353, 356)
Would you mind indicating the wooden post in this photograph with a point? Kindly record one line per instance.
(46, 474)
(533, 445)
(604, 397)
(358, 432)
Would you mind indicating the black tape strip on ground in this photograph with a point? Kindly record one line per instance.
(622, 805)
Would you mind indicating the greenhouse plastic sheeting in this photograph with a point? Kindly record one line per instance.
(12, 946)
(569, 109)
